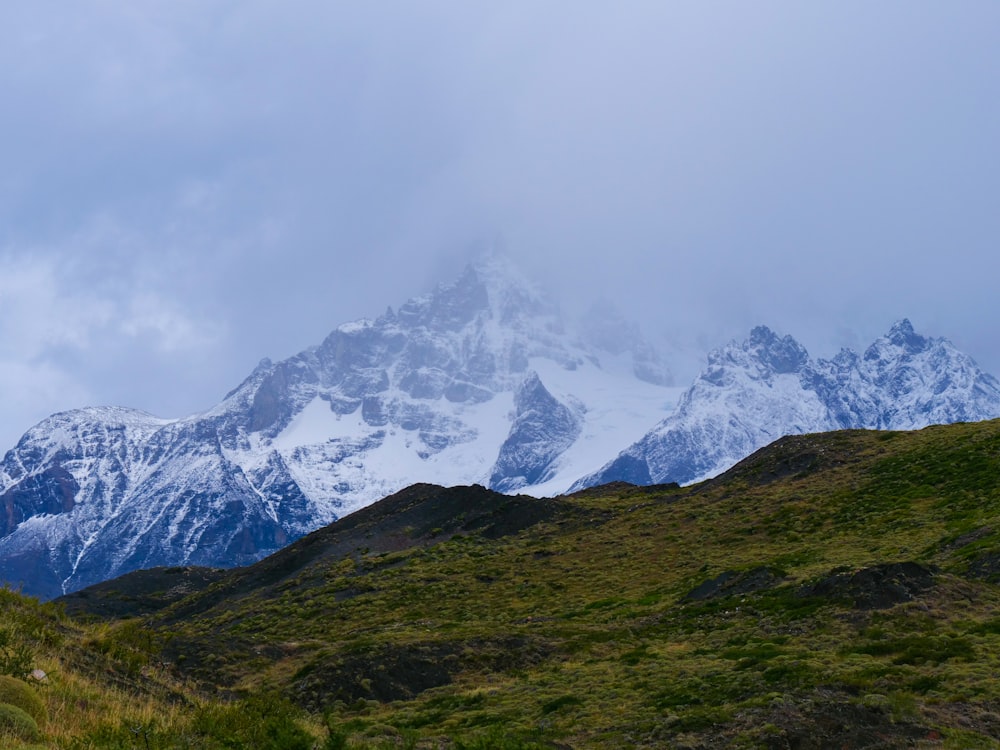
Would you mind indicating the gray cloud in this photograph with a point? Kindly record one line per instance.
(190, 186)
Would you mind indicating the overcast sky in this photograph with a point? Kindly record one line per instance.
(187, 186)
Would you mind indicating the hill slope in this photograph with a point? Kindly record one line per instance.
(831, 590)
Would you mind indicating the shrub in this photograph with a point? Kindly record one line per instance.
(15, 721)
(336, 739)
(18, 693)
(498, 738)
(561, 702)
(263, 722)
(16, 657)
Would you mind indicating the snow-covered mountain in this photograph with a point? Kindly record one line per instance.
(756, 391)
(477, 382)
(480, 381)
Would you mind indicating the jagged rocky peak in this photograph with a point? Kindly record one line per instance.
(930, 381)
(781, 354)
(464, 342)
(769, 353)
(901, 341)
(762, 355)
(449, 307)
(903, 344)
(903, 335)
(491, 286)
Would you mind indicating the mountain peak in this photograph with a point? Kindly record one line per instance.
(449, 306)
(902, 335)
(762, 335)
(780, 354)
(491, 285)
(902, 327)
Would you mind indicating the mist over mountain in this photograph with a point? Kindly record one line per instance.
(482, 381)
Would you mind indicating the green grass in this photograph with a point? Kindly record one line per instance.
(578, 629)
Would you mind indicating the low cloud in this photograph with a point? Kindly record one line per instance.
(69, 340)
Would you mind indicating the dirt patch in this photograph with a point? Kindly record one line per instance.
(968, 538)
(832, 723)
(391, 672)
(877, 587)
(735, 583)
(985, 567)
(982, 717)
(140, 593)
(829, 719)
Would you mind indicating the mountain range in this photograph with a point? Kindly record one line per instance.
(479, 382)
(768, 386)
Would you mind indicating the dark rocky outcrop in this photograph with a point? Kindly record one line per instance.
(875, 587)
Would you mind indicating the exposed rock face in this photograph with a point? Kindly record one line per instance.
(543, 428)
(877, 587)
(754, 392)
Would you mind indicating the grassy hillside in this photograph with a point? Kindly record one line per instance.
(831, 591)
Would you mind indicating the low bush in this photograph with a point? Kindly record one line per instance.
(18, 693)
(262, 722)
(15, 722)
(16, 657)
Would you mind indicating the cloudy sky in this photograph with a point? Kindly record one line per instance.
(187, 186)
